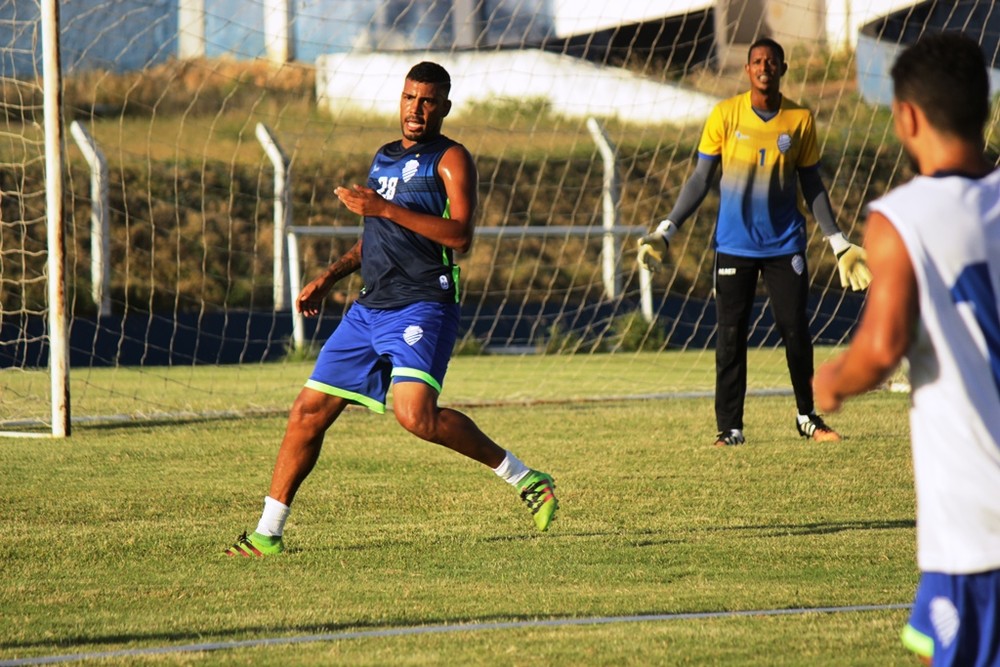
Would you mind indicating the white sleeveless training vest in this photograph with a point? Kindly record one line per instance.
(950, 225)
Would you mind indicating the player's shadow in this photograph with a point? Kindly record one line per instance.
(653, 538)
(817, 528)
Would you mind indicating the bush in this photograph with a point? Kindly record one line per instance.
(632, 333)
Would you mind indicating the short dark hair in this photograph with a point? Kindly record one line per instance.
(428, 72)
(769, 43)
(945, 75)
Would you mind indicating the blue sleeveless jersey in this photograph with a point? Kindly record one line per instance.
(400, 267)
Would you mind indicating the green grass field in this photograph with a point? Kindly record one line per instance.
(113, 538)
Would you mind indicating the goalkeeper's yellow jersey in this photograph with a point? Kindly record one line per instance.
(759, 210)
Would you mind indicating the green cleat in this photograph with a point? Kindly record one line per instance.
(538, 493)
(256, 544)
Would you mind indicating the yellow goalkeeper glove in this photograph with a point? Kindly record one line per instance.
(653, 246)
(852, 263)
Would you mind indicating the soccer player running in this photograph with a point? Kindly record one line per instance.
(418, 206)
(934, 248)
(766, 145)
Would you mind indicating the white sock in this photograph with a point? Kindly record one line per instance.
(804, 418)
(272, 520)
(511, 470)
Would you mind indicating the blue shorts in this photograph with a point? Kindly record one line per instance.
(956, 619)
(371, 347)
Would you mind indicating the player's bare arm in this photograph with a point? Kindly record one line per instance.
(461, 182)
(310, 299)
(887, 326)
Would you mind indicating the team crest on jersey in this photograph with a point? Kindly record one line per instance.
(443, 281)
(784, 142)
(409, 169)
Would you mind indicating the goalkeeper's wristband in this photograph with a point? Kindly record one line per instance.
(666, 229)
(839, 243)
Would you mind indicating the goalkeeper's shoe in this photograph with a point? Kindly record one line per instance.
(255, 544)
(538, 493)
(730, 438)
(816, 428)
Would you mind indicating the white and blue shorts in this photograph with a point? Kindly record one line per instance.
(372, 347)
(956, 619)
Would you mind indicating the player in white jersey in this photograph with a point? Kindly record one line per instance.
(934, 251)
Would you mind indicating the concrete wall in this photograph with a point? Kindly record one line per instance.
(580, 17)
(372, 82)
(844, 18)
(831, 24)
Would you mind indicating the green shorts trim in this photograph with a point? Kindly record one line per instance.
(351, 396)
(416, 374)
(917, 642)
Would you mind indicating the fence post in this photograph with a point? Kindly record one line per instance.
(282, 213)
(609, 205)
(645, 293)
(100, 234)
(295, 280)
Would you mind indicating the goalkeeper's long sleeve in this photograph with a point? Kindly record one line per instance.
(818, 200)
(694, 190)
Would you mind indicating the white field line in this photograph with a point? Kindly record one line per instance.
(439, 629)
(221, 415)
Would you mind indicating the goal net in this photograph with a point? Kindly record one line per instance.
(205, 138)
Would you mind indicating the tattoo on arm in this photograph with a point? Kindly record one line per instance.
(348, 263)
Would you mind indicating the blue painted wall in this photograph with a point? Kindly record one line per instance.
(94, 34)
(128, 35)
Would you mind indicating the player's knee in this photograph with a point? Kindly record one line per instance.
(312, 414)
(419, 420)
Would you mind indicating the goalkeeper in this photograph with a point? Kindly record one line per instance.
(766, 146)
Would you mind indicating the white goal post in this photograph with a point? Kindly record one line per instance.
(58, 316)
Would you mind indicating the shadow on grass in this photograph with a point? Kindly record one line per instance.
(637, 539)
(777, 530)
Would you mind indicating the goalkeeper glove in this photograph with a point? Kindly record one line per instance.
(653, 246)
(852, 263)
